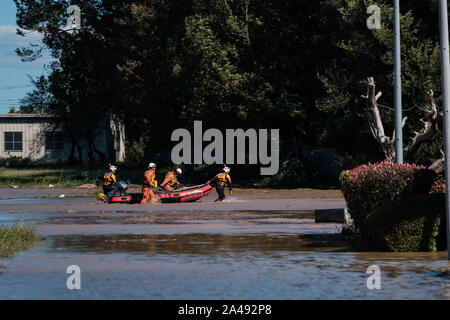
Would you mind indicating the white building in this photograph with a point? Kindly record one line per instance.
(28, 136)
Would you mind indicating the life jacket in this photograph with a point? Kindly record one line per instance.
(173, 179)
(223, 179)
(152, 179)
(109, 179)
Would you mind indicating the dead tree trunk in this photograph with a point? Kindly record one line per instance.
(376, 125)
(429, 129)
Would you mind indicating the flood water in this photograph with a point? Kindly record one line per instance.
(248, 248)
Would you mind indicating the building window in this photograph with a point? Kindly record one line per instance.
(54, 140)
(13, 142)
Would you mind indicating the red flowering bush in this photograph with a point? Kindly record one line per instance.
(439, 186)
(371, 186)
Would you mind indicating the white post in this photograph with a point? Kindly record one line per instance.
(398, 143)
(445, 69)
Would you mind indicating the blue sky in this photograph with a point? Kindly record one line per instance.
(14, 82)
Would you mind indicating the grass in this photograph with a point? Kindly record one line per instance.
(64, 177)
(17, 238)
(67, 176)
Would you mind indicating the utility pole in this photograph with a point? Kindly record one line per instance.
(445, 69)
(397, 87)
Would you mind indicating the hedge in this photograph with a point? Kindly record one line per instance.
(439, 185)
(370, 187)
(412, 224)
(439, 188)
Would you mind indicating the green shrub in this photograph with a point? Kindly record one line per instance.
(135, 150)
(369, 187)
(294, 173)
(439, 185)
(16, 238)
(441, 239)
(439, 188)
(16, 162)
(409, 224)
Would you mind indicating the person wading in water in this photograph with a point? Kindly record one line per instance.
(220, 181)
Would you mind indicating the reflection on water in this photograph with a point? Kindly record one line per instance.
(197, 244)
(205, 266)
(209, 255)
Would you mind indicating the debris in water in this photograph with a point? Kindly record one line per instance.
(14, 187)
(61, 196)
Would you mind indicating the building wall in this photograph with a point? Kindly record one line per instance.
(30, 129)
(110, 140)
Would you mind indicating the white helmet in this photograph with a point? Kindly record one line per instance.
(178, 171)
(113, 168)
(151, 165)
(226, 170)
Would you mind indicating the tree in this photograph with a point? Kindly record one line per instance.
(296, 66)
(429, 129)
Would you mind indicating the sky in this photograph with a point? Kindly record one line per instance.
(14, 80)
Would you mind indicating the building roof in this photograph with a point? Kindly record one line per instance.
(26, 115)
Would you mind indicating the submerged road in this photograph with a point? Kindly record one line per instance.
(260, 244)
(39, 200)
(89, 205)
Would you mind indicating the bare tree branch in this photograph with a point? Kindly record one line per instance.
(439, 165)
(403, 125)
(376, 125)
(378, 96)
(429, 128)
(247, 33)
(228, 7)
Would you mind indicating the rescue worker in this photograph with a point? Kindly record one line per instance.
(220, 181)
(171, 180)
(149, 183)
(109, 180)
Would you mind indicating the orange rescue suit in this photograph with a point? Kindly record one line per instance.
(149, 179)
(109, 179)
(223, 179)
(169, 181)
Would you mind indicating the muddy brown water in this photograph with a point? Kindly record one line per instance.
(257, 245)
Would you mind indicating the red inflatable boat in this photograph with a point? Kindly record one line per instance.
(188, 194)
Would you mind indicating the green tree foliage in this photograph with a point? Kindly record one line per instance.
(295, 65)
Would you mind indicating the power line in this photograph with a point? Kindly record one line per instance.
(15, 87)
(404, 110)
